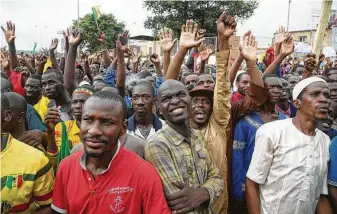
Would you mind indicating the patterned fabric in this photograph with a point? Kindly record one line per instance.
(29, 183)
(42, 107)
(178, 160)
(332, 174)
(73, 132)
(243, 147)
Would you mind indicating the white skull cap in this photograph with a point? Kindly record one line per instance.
(299, 87)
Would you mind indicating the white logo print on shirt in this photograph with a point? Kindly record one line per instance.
(118, 207)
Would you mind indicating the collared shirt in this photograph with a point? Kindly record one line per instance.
(42, 107)
(332, 174)
(129, 185)
(176, 160)
(27, 178)
(134, 130)
(215, 130)
(290, 167)
(243, 147)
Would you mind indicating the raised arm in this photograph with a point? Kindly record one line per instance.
(75, 40)
(106, 58)
(86, 67)
(10, 38)
(287, 47)
(280, 37)
(233, 70)
(167, 43)
(187, 41)
(221, 105)
(156, 61)
(136, 60)
(205, 53)
(52, 57)
(121, 48)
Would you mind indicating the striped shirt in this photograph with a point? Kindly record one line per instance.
(27, 178)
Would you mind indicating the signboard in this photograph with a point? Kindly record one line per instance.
(315, 15)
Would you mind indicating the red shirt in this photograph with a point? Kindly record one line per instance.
(236, 96)
(16, 80)
(129, 186)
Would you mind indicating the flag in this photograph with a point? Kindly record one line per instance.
(47, 65)
(35, 44)
(14, 181)
(96, 12)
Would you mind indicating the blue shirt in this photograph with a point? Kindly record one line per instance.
(332, 133)
(332, 173)
(33, 120)
(243, 148)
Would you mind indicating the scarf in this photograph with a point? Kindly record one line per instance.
(64, 150)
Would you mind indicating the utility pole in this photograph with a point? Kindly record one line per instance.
(78, 14)
(323, 24)
(288, 16)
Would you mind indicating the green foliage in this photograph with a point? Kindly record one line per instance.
(107, 23)
(173, 14)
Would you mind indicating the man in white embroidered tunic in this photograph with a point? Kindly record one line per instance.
(288, 171)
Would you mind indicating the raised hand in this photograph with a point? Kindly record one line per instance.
(155, 59)
(248, 33)
(287, 47)
(188, 33)
(205, 52)
(166, 41)
(136, 55)
(281, 35)
(53, 44)
(66, 39)
(249, 48)
(10, 32)
(102, 38)
(226, 25)
(52, 117)
(5, 63)
(122, 41)
(75, 38)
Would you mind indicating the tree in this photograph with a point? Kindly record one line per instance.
(173, 14)
(107, 24)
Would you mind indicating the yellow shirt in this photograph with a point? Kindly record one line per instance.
(73, 132)
(42, 107)
(27, 178)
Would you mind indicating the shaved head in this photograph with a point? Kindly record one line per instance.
(16, 101)
(170, 84)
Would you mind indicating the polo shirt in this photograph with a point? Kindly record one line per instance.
(130, 185)
(42, 107)
(27, 178)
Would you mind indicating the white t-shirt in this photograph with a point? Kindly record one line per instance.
(290, 167)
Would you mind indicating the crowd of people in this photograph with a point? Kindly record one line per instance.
(107, 133)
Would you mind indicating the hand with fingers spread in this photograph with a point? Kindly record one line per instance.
(52, 118)
(226, 25)
(166, 39)
(205, 52)
(155, 59)
(188, 199)
(281, 35)
(5, 63)
(248, 33)
(101, 39)
(287, 47)
(188, 35)
(75, 38)
(10, 32)
(249, 48)
(53, 44)
(122, 41)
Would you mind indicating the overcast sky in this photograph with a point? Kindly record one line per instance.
(40, 20)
